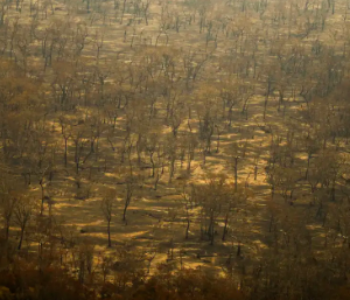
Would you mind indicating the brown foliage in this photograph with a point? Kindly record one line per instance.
(188, 285)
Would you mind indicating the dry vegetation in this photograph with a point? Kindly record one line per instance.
(142, 138)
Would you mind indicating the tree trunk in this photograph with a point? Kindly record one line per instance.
(109, 234)
(153, 165)
(268, 92)
(236, 173)
(225, 227)
(65, 152)
(218, 141)
(125, 209)
(308, 166)
(42, 198)
(265, 104)
(188, 227)
(21, 239)
(7, 230)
